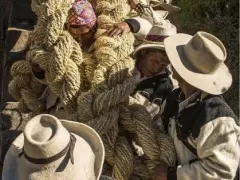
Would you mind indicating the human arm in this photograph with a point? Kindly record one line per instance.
(136, 25)
(160, 172)
(218, 153)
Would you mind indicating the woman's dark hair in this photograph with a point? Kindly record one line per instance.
(142, 54)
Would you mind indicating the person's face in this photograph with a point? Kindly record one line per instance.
(152, 63)
(83, 34)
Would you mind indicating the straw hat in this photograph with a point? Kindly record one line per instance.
(147, 12)
(160, 13)
(52, 149)
(166, 5)
(199, 60)
(156, 36)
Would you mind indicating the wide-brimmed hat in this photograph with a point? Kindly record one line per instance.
(166, 5)
(160, 13)
(146, 11)
(156, 36)
(54, 149)
(199, 60)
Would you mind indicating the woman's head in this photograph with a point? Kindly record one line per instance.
(81, 22)
(151, 61)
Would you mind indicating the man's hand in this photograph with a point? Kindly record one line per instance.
(133, 3)
(118, 29)
(160, 172)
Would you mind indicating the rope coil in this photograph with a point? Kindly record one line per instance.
(56, 52)
(101, 97)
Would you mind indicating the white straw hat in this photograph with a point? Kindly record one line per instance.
(160, 13)
(151, 15)
(156, 36)
(54, 150)
(166, 5)
(199, 60)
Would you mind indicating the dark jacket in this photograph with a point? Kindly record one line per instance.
(156, 88)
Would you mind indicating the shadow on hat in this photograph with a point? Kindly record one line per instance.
(166, 5)
(199, 60)
(156, 36)
(54, 149)
(157, 15)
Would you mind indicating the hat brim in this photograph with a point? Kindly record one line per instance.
(170, 8)
(215, 83)
(82, 130)
(148, 45)
(92, 138)
(163, 14)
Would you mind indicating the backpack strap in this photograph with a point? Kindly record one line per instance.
(189, 146)
(171, 107)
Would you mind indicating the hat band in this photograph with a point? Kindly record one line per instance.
(68, 149)
(156, 38)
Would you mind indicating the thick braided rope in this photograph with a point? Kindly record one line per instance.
(25, 88)
(104, 53)
(112, 85)
(101, 111)
(56, 52)
(101, 107)
(157, 146)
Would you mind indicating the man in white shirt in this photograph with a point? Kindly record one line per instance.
(203, 127)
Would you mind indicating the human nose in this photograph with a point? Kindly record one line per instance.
(155, 69)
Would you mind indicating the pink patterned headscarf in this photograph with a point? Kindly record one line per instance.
(81, 13)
